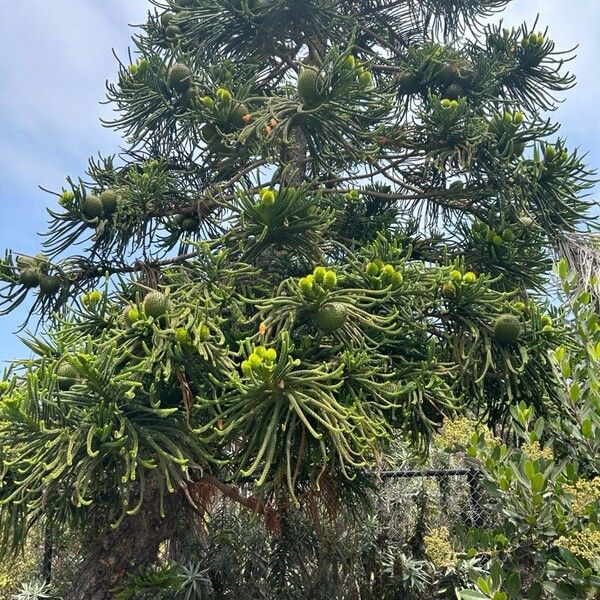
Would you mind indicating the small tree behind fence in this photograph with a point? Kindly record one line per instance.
(236, 555)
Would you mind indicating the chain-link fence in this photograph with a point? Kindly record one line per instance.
(231, 542)
(430, 497)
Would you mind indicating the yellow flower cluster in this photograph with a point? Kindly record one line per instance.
(438, 547)
(535, 452)
(456, 434)
(583, 494)
(585, 544)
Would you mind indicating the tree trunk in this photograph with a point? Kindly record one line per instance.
(47, 557)
(112, 556)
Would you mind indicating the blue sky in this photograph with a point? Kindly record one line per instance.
(61, 55)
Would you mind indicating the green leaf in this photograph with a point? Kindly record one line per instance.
(569, 558)
(560, 591)
(536, 591)
(513, 585)
(538, 482)
(575, 392)
(484, 586)
(563, 269)
(529, 469)
(584, 298)
(587, 428)
(496, 453)
(559, 353)
(471, 595)
(496, 574)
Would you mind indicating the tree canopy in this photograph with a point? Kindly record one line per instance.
(330, 227)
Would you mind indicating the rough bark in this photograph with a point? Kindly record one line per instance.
(113, 555)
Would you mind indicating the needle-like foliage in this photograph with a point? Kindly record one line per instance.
(330, 227)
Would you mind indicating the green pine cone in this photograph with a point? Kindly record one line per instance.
(67, 376)
(449, 73)
(454, 91)
(310, 86)
(331, 317)
(30, 277)
(507, 329)
(208, 133)
(172, 32)
(91, 207)
(179, 78)
(508, 235)
(449, 290)
(110, 201)
(166, 19)
(237, 114)
(190, 224)
(183, 336)
(26, 262)
(156, 304)
(50, 284)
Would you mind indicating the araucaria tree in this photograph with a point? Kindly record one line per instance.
(331, 226)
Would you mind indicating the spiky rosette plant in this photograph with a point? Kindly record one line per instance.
(330, 229)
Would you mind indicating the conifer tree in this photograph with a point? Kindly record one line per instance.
(331, 225)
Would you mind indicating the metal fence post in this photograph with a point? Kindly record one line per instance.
(475, 494)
